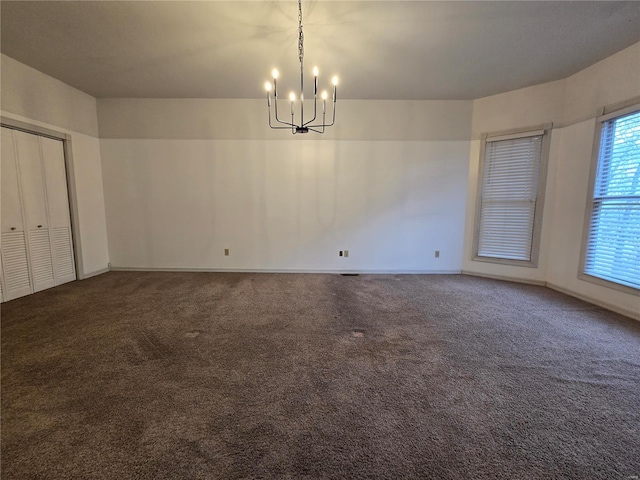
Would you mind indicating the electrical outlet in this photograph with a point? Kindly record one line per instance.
(346, 253)
(437, 253)
(340, 253)
(226, 252)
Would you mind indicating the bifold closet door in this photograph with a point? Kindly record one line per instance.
(34, 203)
(15, 264)
(36, 243)
(58, 203)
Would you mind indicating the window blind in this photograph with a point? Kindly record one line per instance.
(613, 245)
(508, 199)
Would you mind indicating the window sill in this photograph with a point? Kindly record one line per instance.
(506, 261)
(608, 284)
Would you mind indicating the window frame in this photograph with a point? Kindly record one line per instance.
(542, 183)
(586, 228)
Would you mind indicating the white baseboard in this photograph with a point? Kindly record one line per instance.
(277, 270)
(608, 306)
(540, 283)
(93, 274)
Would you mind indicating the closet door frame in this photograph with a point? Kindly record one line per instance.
(70, 177)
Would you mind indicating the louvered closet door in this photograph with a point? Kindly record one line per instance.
(13, 246)
(59, 220)
(35, 208)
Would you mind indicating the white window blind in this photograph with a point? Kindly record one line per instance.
(613, 245)
(509, 195)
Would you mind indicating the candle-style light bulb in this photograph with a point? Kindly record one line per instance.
(267, 87)
(274, 72)
(324, 95)
(292, 97)
(315, 81)
(334, 80)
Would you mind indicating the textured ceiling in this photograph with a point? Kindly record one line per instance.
(380, 50)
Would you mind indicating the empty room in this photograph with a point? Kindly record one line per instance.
(320, 239)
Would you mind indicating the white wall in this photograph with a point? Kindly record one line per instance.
(280, 202)
(572, 105)
(531, 106)
(34, 98)
(614, 79)
(32, 94)
(285, 205)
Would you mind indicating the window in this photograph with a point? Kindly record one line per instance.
(613, 241)
(509, 211)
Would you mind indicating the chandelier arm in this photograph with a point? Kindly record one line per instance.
(286, 126)
(333, 121)
(275, 106)
(325, 124)
(277, 127)
(269, 110)
(335, 97)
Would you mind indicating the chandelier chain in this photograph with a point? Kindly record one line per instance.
(300, 34)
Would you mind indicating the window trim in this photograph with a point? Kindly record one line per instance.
(586, 225)
(546, 130)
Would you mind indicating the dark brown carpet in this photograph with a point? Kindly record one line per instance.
(203, 375)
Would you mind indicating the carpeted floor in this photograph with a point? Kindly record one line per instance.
(203, 375)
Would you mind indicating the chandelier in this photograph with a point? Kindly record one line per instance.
(313, 124)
